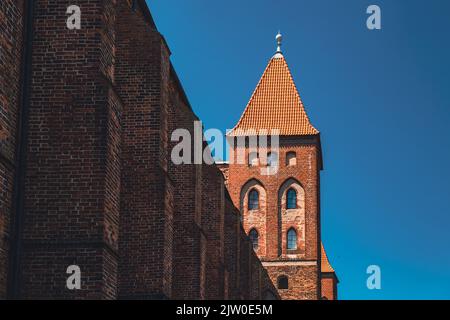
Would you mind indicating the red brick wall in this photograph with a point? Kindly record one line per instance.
(11, 34)
(231, 247)
(302, 280)
(72, 173)
(255, 277)
(67, 208)
(142, 78)
(190, 244)
(329, 286)
(245, 253)
(272, 220)
(213, 226)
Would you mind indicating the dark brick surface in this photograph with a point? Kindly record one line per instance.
(100, 189)
(11, 34)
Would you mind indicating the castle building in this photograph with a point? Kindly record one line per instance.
(87, 181)
(277, 188)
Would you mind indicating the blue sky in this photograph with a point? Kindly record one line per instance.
(381, 100)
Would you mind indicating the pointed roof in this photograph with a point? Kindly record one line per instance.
(275, 104)
(326, 266)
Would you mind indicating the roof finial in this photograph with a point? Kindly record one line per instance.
(279, 39)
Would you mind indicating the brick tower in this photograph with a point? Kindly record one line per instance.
(281, 210)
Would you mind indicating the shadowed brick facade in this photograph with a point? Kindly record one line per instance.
(85, 171)
(11, 51)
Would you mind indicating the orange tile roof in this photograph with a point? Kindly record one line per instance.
(326, 266)
(275, 104)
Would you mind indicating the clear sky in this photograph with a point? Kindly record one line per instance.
(381, 100)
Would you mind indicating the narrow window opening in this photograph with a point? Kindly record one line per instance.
(254, 238)
(253, 200)
(292, 239)
(291, 199)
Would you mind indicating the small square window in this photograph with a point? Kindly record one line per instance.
(291, 159)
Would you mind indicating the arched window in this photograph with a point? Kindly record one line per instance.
(253, 235)
(291, 159)
(283, 282)
(292, 239)
(252, 159)
(272, 159)
(253, 200)
(291, 199)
